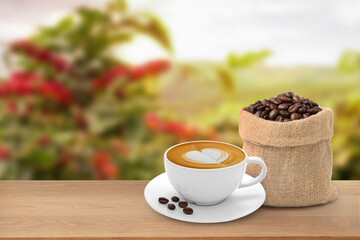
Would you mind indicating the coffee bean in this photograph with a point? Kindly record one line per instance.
(264, 102)
(262, 107)
(255, 106)
(302, 110)
(265, 112)
(314, 110)
(284, 113)
(314, 103)
(273, 114)
(281, 94)
(171, 206)
(284, 99)
(306, 115)
(188, 210)
(251, 110)
(175, 199)
(273, 106)
(296, 98)
(183, 204)
(279, 118)
(258, 113)
(289, 94)
(283, 106)
(163, 200)
(274, 100)
(293, 108)
(294, 116)
(286, 120)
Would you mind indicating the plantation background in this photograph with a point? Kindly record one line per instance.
(72, 108)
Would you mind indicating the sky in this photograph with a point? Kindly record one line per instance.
(298, 32)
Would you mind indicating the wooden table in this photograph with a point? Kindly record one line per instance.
(117, 209)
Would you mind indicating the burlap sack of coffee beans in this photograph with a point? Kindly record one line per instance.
(298, 156)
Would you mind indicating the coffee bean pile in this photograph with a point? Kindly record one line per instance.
(181, 204)
(284, 108)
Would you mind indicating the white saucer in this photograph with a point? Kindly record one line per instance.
(242, 202)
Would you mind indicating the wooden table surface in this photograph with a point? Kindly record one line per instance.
(117, 209)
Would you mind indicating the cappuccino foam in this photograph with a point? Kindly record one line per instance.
(205, 155)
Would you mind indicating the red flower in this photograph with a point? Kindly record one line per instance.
(153, 122)
(25, 83)
(157, 66)
(103, 166)
(24, 76)
(115, 73)
(108, 77)
(20, 87)
(4, 153)
(171, 127)
(100, 159)
(179, 129)
(150, 68)
(41, 55)
(137, 72)
(187, 132)
(19, 83)
(21, 45)
(55, 91)
(110, 171)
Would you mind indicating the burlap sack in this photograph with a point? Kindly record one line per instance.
(298, 156)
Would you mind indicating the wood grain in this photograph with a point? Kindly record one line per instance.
(117, 209)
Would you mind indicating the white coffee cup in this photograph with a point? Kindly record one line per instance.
(210, 186)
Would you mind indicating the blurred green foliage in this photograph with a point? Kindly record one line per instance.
(247, 59)
(349, 62)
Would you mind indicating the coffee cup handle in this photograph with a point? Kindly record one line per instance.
(258, 178)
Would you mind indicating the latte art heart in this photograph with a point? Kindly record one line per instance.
(207, 156)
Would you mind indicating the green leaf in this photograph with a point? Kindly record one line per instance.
(247, 59)
(150, 25)
(226, 78)
(44, 158)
